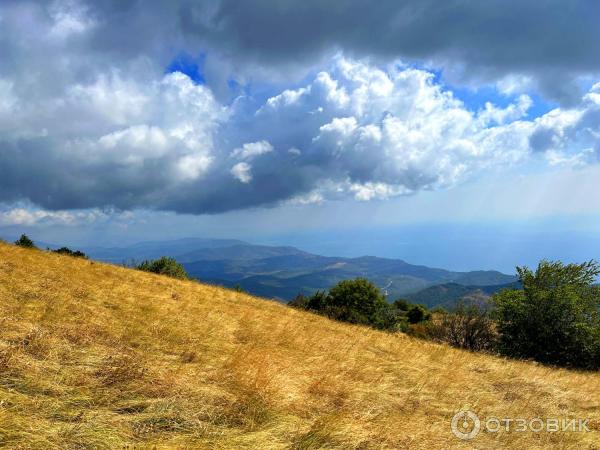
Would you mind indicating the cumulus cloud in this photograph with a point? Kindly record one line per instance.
(91, 118)
(382, 133)
(241, 172)
(32, 216)
(570, 136)
(252, 149)
(110, 142)
(313, 197)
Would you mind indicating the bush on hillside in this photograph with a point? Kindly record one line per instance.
(417, 314)
(317, 302)
(24, 241)
(407, 315)
(467, 326)
(300, 301)
(165, 266)
(67, 251)
(239, 288)
(555, 318)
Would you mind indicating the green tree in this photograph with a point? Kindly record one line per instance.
(555, 318)
(24, 241)
(165, 266)
(358, 301)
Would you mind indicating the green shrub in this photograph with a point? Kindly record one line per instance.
(165, 266)
(417, 314)
(24, 241)
(67, 251)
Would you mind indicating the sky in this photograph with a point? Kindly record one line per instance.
(458, 134)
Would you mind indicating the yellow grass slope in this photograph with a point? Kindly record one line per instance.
(98, 356)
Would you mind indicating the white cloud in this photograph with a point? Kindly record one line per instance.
(342, 126)
(515, 84)
(191, 167)
(241, 172)
(70, 17)
(176, 121)
(252, 149)
(369, 191)
(286, 98)
(398, 132)
(570, 136)
(500, 116)
(29, 217)
(109, 98)
(137, 142)
(7, 98)
(311, 198)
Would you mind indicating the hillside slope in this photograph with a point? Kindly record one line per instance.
(99, 356)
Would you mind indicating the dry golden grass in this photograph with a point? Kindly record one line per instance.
(98, 356)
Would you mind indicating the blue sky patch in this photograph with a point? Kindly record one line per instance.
(187, 64)
(475, 100)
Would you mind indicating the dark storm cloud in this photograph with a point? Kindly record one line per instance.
(550, 40)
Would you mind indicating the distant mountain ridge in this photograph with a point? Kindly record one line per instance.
(156, 249)
(448, 294)
(282, 272)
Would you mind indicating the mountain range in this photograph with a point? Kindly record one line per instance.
(282, 272)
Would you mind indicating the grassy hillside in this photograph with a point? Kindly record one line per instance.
(98, 356)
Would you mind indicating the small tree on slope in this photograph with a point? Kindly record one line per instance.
(24, 241)
(165, 266)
